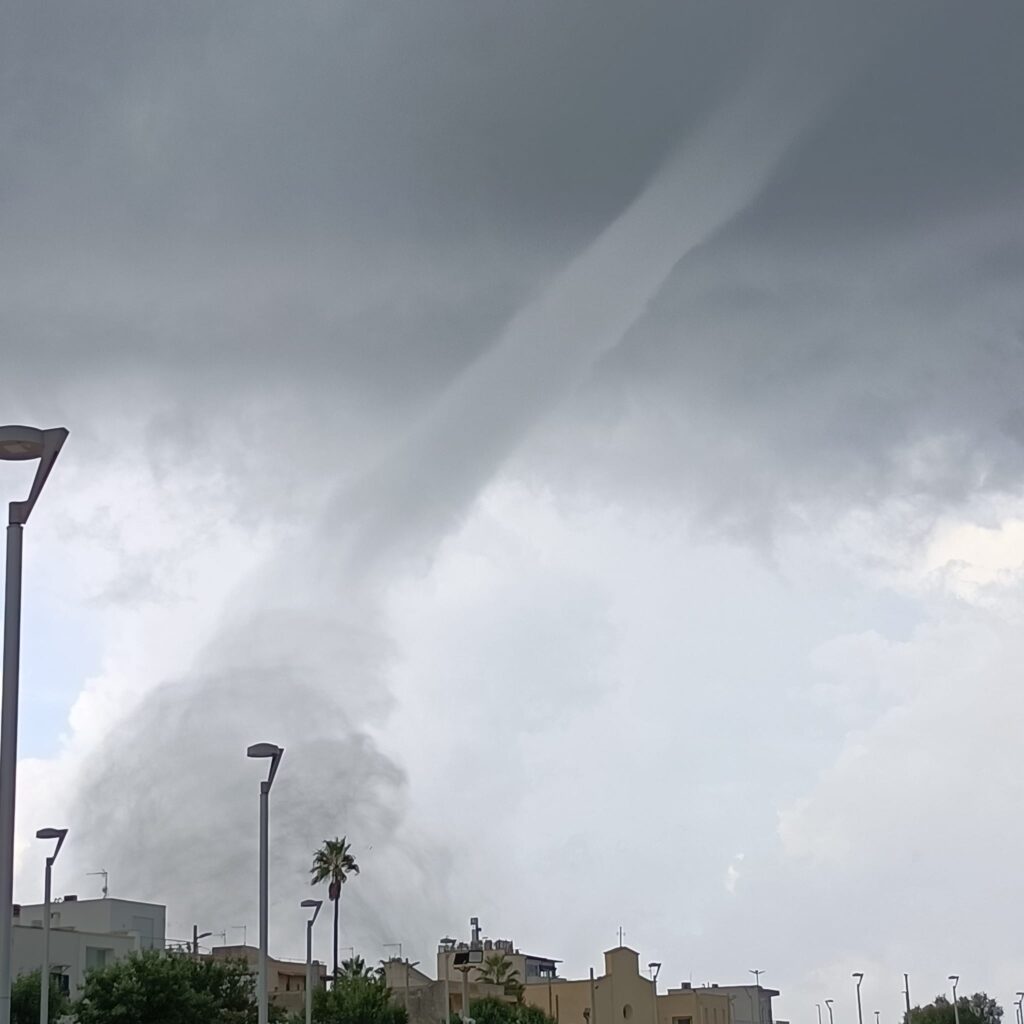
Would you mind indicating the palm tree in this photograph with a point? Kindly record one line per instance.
(357, 967)
(333, 863)
(498, 970)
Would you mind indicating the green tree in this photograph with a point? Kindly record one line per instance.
(156, 987)
(333, 863)
(25, 999)
(497, 969)
(356, 967)
(357, 999)
(977, 1009)
(496, 1011)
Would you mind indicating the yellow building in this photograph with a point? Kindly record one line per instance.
(622, 995)
(286, 979)
(688, 1005)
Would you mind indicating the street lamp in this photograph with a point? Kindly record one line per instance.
(196, 936)
(955, 978)
(859, 975)
(44, 977)
(1020, 1007)
(17, 444)
(274, 752)
(818, 1005)
(315, 905)
(828, 1004)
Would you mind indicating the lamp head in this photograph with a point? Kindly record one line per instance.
(274, 752)
(311, 903)
(859, 975)
(264, 750)
(53, 833)
(19, 444)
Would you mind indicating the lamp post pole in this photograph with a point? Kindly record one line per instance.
(818, 1005)
(955, 978)
(828, 1005)
(44, 975)
(859, 975)
(274, 752)
(315, 905)
(16, 444)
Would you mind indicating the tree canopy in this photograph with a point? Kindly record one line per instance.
(167, 988)
(25, 1000)
(357, 999)
(496, 1011)
(977, 1009)
(497, 969)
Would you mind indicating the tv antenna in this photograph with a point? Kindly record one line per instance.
(106, 879)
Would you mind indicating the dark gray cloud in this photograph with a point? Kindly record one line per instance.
(292, 244)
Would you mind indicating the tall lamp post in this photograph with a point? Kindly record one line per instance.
(44, 977)
(955, 978)
(828, 1004)
(859, 975)
(196, 936)
(274, 752)
(17, 444)
(818, 1005)
(315, 905)
(1020, 1007)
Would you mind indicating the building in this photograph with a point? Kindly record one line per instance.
(422, 996)
(83, 934)
(689, 1005)
(750, 1004)
(104, 916)
(529, 969)
(286, 979)
(620, 994)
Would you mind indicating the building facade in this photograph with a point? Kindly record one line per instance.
(72, 952)
(286, 979)
(749, 1004)
(148, 921)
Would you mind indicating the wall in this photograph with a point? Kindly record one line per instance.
(699, 1006)
(148, 920)
(72, 952)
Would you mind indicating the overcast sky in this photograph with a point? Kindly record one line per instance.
(589, 437)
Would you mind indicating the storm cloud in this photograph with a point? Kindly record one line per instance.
(380, 327)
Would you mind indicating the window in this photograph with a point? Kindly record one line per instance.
(145, 926)
(627, 1011)
(96, 957)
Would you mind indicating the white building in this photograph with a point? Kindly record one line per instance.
(72, 952)
(751, 1004)
(146, 920)
(84, 934)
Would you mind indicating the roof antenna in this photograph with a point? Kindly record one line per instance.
(106, 879)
